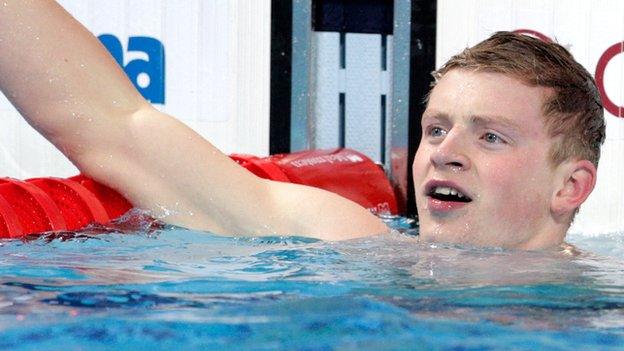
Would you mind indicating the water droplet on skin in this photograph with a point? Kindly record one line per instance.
(437, 230)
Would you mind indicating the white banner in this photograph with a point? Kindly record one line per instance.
(205, 62)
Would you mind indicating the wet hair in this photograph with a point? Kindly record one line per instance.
(573, 111)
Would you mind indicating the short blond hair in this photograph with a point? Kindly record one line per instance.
(573, 112)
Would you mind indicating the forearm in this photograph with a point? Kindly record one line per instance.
(57, 74)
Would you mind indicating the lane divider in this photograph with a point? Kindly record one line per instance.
(55, 204)
(343, 171)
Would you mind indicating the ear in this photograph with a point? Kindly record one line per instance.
(579, 178)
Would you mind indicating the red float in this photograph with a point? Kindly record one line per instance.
(55, 204)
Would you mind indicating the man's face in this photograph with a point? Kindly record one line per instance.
(481, 173)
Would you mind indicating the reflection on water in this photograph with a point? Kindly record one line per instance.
(138, 283)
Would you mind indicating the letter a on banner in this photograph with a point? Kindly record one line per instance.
(153, 67)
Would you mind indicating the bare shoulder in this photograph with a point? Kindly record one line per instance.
(164, 166)
(322, 214)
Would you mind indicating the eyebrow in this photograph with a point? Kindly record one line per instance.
(443, 117)
(479, 120)
(495, 120)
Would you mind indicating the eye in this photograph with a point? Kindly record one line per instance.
(436, 132)
(492, 138)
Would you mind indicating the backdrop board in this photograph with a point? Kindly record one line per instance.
(205, 62)
(593, 31)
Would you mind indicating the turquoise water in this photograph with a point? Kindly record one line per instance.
(138, 285)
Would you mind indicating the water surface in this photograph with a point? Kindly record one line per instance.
(137, 284)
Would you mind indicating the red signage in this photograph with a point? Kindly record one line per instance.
(610, 53)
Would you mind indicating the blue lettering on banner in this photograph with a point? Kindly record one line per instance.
(153, 67)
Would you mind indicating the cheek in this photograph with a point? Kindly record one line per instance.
(520, 183)
(418, 166)
(513, 171)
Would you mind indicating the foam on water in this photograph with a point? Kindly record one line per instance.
(138, 284)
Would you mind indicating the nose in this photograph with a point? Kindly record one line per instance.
(451, 154)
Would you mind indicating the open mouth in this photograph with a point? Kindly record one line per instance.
(445, 193)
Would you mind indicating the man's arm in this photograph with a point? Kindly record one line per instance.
(67, 86)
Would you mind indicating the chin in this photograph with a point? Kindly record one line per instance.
(463, 233)
(444, 233)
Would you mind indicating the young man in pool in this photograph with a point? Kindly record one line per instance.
(511, 140)
(514, 127)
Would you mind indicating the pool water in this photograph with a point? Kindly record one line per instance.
(138, 284)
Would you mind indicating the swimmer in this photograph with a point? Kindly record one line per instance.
(511, 136)
(511, 141)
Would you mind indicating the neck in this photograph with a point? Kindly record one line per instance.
(546, 239)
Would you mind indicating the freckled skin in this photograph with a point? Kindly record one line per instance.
(510, 180)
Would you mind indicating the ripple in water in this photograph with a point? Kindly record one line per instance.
(138, 283)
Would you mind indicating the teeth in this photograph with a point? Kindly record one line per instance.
(444, 190)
